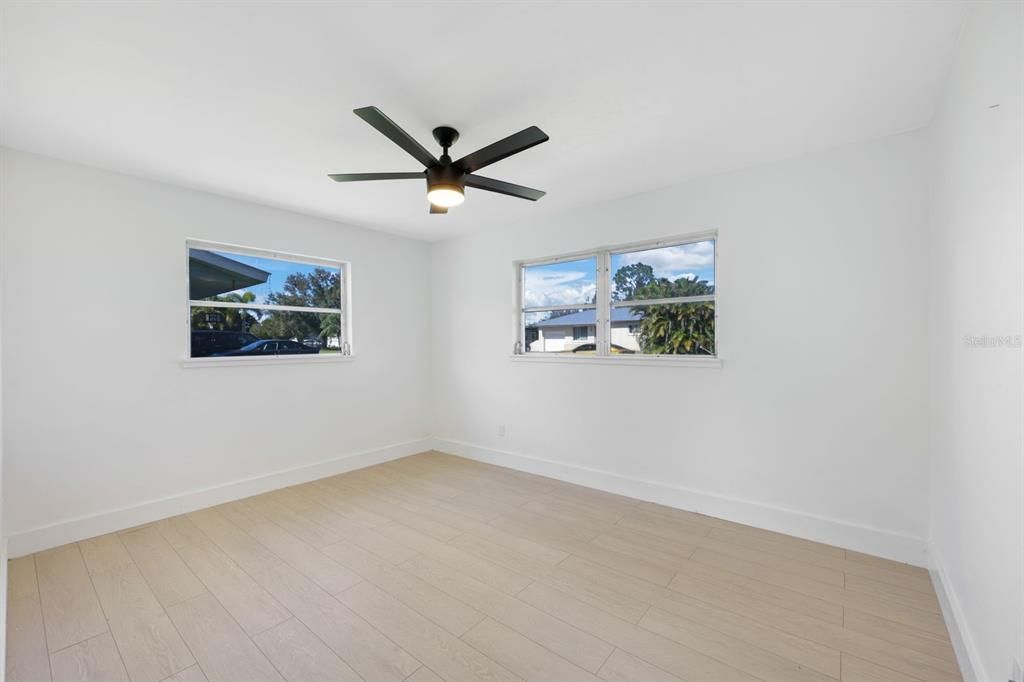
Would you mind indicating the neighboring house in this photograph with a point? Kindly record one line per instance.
(560, 334)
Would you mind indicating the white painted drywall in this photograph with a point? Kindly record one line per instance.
(977, 259)
(3, 534)
(99, 413)
(818, 407)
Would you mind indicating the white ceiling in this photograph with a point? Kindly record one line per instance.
(254, 99)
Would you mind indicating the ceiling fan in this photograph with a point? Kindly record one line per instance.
(447, 179)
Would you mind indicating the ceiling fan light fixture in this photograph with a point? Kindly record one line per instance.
(446, 186)
(446, 196)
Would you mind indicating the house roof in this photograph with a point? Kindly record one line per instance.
(211, 274)
(586, 317)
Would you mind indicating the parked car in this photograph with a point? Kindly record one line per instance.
(270, 347)
(592, 348)
(206, 342)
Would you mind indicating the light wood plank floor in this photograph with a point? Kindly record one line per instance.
(438, 568)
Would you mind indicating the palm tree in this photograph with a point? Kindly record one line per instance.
(677, 328)
(330, 327)
(227, 319)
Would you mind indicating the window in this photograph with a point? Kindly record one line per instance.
(557, 297)
(250, 303)
(651, 299)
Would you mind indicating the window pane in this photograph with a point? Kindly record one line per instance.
(674, 329)
(683, 270)
(240, 278)
(569, 283)
(562, 331)
(243, 331)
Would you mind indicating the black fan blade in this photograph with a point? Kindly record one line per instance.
(513, 144)
(502, 187)
(390, 129)
(438, 209)
(355, 177)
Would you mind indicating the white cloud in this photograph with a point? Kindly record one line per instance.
(556, 288)
(675, 261)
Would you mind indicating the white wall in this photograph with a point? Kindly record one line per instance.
(814, 424)
(977, 434)
(3, 534)
(99, 412)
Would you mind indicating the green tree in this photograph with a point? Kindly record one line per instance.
(630, 278)
(318, 289)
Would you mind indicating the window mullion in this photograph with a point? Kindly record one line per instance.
(603, 298)
(551, 308)
(639, 302)
(264, 306)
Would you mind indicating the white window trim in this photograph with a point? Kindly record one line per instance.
(603, 255)
(255, 361)
(707, 362)
(345, 311)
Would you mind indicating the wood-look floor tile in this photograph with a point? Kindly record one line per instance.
(453, 615)
(522, 656)
(27, 656)
(151, 649)
(623, 667)
(858, 670)
(249, 604)
(662, 652)
(352, 638)
(243, 549)
(190, 674)
(71, 611)
(93, 660)
(222, 648)
(496, 576)
(300, 655)
(739, 653)
(424, 674)
(166, 574)
(444, 653)
(573, 644)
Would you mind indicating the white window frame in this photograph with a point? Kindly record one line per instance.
(604, 306)
(345, 353)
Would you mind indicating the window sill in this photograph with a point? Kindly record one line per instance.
(195, 363)
(621, 360)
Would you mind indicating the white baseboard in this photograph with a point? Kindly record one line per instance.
(876, 541)
(73, 530)
(963, 644)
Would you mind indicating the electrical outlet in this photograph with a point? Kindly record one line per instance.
(501, 429)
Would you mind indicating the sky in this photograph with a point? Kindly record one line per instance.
(278, 269)
(576, 281)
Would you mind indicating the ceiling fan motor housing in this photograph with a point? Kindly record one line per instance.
(446, 177)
